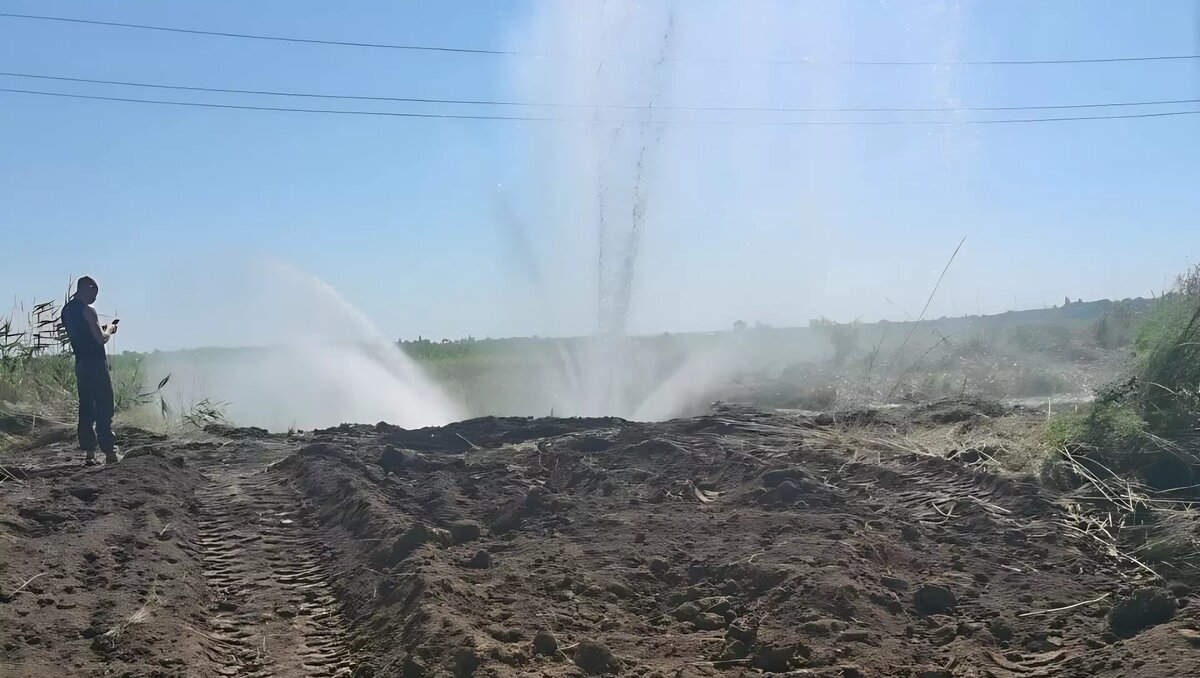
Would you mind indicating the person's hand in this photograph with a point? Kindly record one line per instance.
(110, 329)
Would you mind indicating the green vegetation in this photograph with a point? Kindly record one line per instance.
(1163, 388)
(1104, 426)
(1166, 386)
(37, 372)
(1130, 454)
(1129, 428)
(46, 384)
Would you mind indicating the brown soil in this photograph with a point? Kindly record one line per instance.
(736, 543)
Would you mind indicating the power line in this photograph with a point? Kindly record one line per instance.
(463, 50)
(457, 116)
(249, 36)
(394, 114)
(492, 102)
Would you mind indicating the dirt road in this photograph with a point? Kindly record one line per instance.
(731, 544)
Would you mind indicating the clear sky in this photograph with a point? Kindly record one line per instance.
(488, 227)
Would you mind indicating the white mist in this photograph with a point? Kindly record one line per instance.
(306, 358)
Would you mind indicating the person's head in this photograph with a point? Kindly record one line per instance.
(87, 290)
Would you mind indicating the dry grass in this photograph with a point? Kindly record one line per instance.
(1153, 532)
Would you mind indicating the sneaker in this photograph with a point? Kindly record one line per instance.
(110, 458)
(91, 461)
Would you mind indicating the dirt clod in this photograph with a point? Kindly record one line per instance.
(785, 492)
(773, 659)
(505, 634)
(536, 499)
(658, 566)
(1001, 629)
(734, 650)
(934, 599)
(823, 627)
(776, 477)
(466, 660)
(414, 668)
(392, 459)
(84, 493)
(482, 560)
(716, 604)
(104, 643)
(596, 659)
(686, 612)
(464, 531)
(412, 539)
(545, 644)
(970, 628)
(945, 634)
(745, 634)
(855, 636)
(1146, 607)
(709, 622)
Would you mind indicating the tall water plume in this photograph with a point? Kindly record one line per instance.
(679, 192)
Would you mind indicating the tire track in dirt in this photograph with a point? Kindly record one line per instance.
(273, 612)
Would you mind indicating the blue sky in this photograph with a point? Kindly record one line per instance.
(456, 227)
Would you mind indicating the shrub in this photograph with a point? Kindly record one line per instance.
(1109, 438)
(1166, 386)
(1105, 426)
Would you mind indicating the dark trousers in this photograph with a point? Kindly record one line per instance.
(95, 404)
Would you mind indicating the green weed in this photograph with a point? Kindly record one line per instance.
(1166, 386)
(1108, 427)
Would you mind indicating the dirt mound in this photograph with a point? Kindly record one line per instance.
(487, 432)
(962, 410)
(741, 542)
(238, 432)
(88, 560)
(722, 544)
(956, 410)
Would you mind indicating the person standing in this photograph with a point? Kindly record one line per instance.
(92, 379)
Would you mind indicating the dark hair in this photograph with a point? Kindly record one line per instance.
(86, 282)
